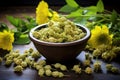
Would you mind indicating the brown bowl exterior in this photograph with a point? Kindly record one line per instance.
(60, 52)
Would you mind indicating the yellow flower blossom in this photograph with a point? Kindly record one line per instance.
(55, 16)
(6, 40)
(43, 14)
(100, 35)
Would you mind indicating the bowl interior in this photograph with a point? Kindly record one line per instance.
(86, 30)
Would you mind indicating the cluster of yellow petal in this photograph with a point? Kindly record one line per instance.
(55, 16)
(43, 14)
(6, 40)
(100, 35)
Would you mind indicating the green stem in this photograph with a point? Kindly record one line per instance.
(100, 21)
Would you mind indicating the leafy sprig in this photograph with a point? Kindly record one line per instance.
(22, 28)
(94, 15)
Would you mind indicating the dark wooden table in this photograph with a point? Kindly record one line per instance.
(7, 73)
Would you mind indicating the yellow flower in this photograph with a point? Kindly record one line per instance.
(55, 16)
(100, 35)
(6, 40)
(42, 13)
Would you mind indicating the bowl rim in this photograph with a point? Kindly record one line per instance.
(87, 36)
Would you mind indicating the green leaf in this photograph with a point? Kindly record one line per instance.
(81, 20)
(20, 24)
(13, 21)
(100, 6)
(68, 9)
(114, 16)
(16, 34)
(23, 39)
(91, 10)
(31, 22)
(72, 3)
(77, 13)
(3, 26)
